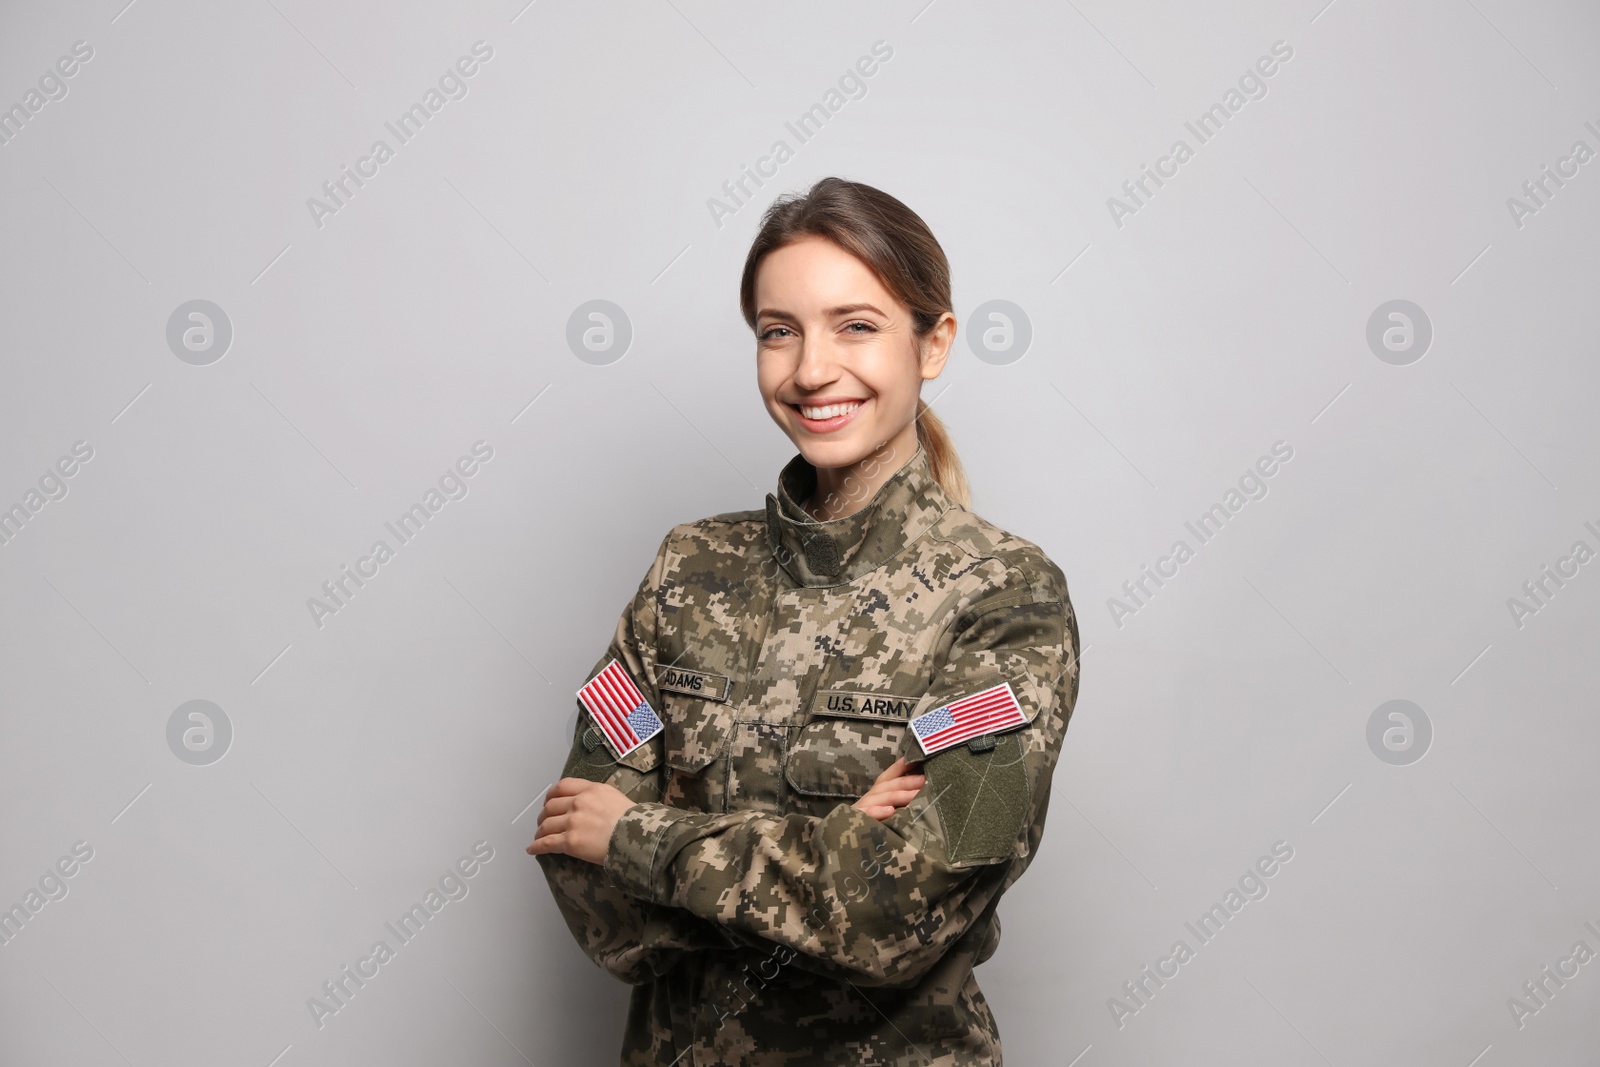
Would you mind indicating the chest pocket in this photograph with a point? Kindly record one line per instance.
(850, 738)
(697, 725)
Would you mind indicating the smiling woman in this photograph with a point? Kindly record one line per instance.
(819, 747)
(871, 305)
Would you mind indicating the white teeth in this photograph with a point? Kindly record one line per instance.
(830, 411)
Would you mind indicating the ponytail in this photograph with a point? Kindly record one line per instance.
(942, 458)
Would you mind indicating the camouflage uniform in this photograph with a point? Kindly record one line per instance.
(760, 918)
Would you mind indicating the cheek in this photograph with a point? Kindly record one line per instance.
(769, 375)
(895, 382)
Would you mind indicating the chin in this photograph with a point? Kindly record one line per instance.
(831, 455)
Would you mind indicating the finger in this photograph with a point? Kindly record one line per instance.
(894, 770)
(899, 785)
(905, 781)
(556, 824)
(898, 797)
(567, 787)
(551, 843)
(881, 811)
(557, 806)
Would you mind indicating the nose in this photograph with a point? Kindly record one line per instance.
(817, 367)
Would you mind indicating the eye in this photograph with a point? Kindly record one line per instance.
(866, 327)
(770, 331)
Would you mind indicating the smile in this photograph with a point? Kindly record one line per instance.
(824, 418)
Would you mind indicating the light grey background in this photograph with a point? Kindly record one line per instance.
(1167, 354)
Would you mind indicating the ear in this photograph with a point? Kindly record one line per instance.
(936, 346)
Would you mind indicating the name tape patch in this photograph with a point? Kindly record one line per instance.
(621, 712)
(701, 684)
(849, 704)
(986, 712)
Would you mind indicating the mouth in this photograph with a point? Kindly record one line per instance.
(826, 418)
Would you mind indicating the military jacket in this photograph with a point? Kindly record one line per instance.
(761, 919)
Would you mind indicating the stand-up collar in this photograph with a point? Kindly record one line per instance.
(842, 550)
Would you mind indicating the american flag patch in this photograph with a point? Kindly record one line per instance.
(619, 709)
(982, 713)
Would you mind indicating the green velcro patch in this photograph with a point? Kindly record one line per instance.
(591, 762)
(982, 798)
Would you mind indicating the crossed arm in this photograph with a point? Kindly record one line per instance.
(580, 816)
(631, 938)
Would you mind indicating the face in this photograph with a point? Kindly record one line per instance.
(838, 362)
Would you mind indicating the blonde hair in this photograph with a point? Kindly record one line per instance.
(897, 246)
(942, 458)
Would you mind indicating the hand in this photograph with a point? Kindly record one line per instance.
(578, 818)
(894, 789)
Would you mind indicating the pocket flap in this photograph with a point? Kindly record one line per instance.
(694, 732)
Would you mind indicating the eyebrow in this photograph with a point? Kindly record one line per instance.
(844, 309)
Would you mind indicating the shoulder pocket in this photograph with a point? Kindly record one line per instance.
(982, 798)
(981, 786)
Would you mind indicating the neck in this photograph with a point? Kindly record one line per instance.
(843, 491)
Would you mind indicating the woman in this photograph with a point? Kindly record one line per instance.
(855, 701)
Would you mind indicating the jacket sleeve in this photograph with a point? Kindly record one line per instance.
(634, 940)
(881, 902)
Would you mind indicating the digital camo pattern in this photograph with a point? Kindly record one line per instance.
(761, 919)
